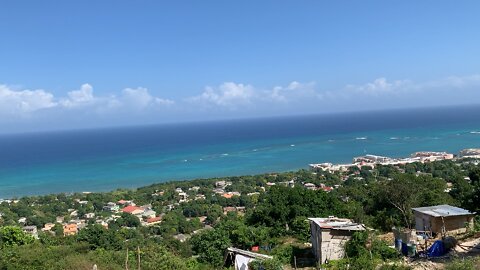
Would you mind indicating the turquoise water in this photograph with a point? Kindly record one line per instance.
(100, 160)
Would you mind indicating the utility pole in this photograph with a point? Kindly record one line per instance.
(126, 261)
(138, 257)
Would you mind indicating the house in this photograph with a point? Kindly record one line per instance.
(59, 219)
(149, 213)
(89, 215)
(442, 219)
(310, 186)
(181, 237)
(329, 235)
(48, 227)
(183, 197)
(22, 220)
(134, 210)
(32, 230)
(241, 258)
(111, 207)
(227, 195)
(153, 221)
(221, 184)
(125, 202)
(70, 229)
(200, 197)
(195, 188)
(229, 209)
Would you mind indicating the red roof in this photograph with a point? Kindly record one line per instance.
(327, 189)
(130, 209)
(122, 202)
(154, 219)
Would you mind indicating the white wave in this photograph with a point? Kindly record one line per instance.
(360, 138)
(474, 132)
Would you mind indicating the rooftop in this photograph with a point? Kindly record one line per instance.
(130, 209)
(443, 210)
(335, 223)
(248, 253)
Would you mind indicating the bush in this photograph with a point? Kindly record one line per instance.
(269, 264)
(466, 264)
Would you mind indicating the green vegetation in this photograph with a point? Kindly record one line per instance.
(266, 213)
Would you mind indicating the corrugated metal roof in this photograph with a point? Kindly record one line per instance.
(338, 224)
(249, 253)
(443, 210)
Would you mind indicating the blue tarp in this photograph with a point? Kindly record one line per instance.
(437, 249)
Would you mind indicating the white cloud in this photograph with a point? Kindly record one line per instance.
(293, 92)
(228, 94)
(380, 86)
(138, 104)
(20, 102)
(140, 98)
(81, 97)
(23, 103)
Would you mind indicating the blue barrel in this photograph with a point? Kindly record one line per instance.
(398, 244)
(404, 249)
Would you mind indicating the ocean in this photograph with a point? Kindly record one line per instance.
(107, 159)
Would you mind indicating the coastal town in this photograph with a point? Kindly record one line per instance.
(188, 209)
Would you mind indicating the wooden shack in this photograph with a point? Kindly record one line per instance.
(442, 219)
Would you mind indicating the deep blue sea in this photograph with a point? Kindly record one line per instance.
(107, 159)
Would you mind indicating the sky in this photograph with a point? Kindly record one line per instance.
(87, 64)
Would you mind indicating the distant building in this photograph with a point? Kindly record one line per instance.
(181, 237)
(183, 197)
(431, 156)
(220, 184)
(134, 210)
(329, 235)
(470, 153)
(48, 227)
(149, 213)
(153, 221)
(125, 202)
(371, 159)
(89, 215)
(70, 229)
(442, 219)
(111, 207)
(32, 230)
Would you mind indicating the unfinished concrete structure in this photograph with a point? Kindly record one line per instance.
(329, 235)
(442, 219)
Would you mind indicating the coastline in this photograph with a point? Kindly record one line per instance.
(105, 161)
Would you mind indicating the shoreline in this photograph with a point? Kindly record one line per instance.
(360, 161)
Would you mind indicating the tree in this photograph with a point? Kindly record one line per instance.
(406, 191)
(14, 236)
(210, 246)
(99, 237)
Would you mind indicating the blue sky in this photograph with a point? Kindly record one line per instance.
(79, 64)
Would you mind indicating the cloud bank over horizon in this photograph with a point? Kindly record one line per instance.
(39, 109)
